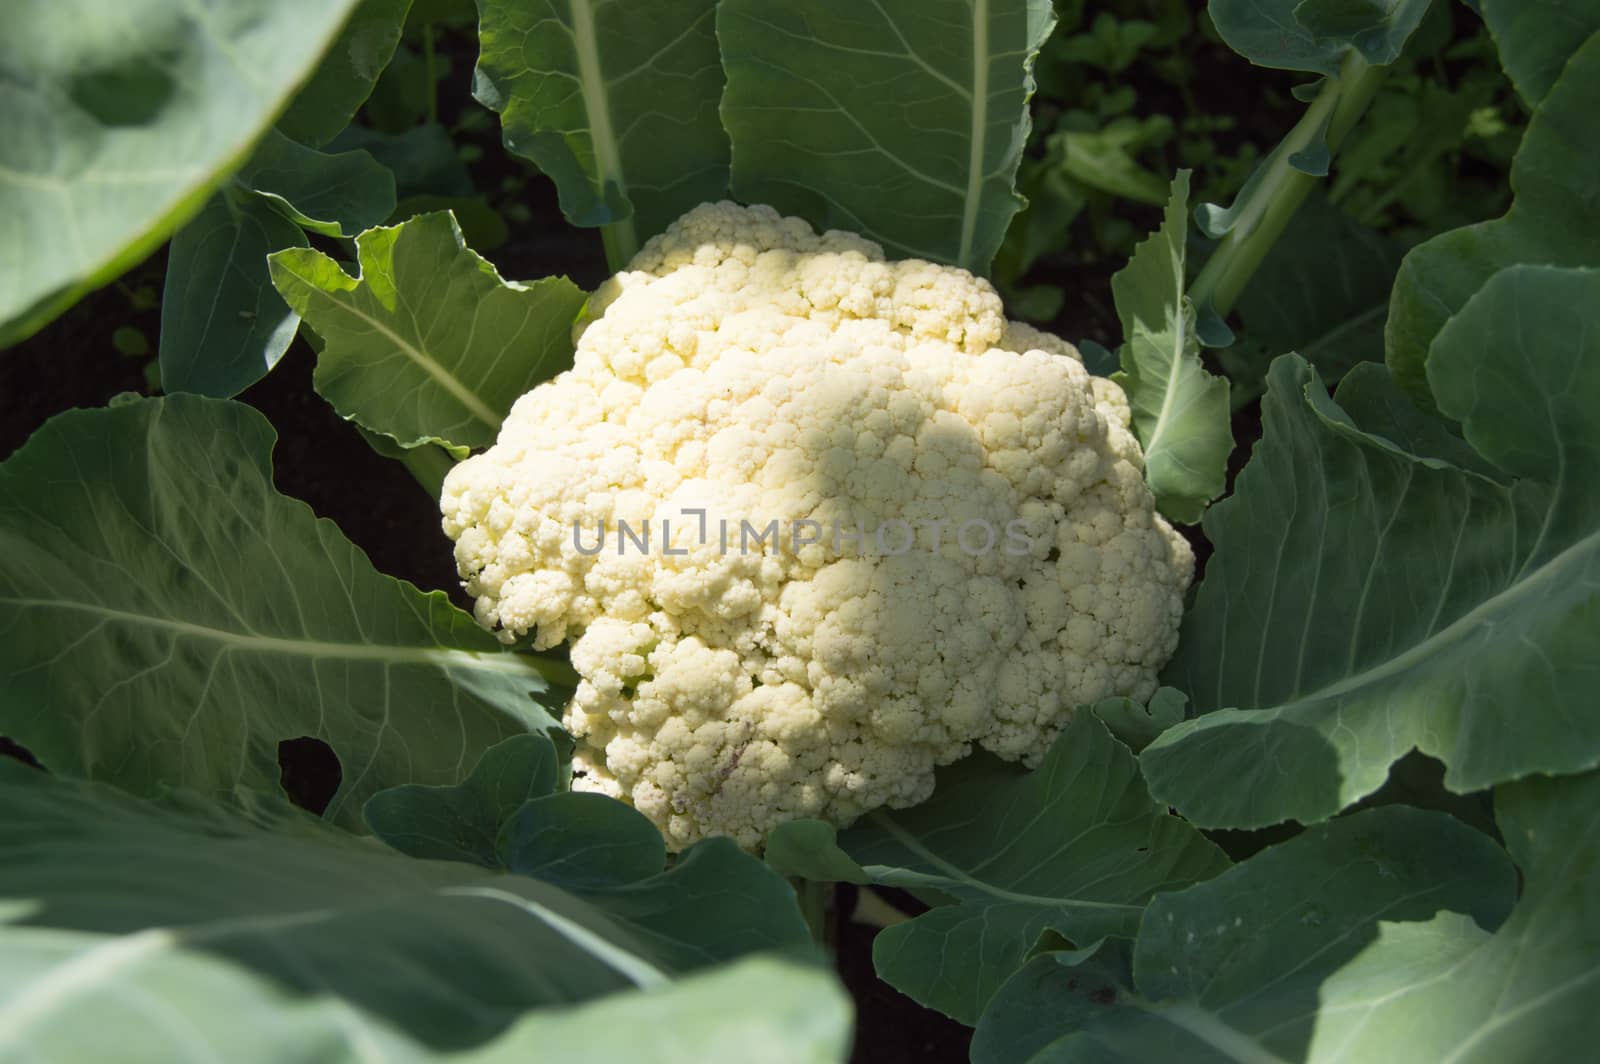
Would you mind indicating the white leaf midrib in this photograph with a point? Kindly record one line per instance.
(436, 656)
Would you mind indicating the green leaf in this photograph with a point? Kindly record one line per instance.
(1180, 412)
(1082, 849)
(461, 822)
(120, 119)
(904, 122)
(514, 813)
(222, 324)
(1555, 221)
(1537, 37)
(1138, 725)
(1375, 403)
(795, 1013)
(616, 102)
(1260, 964)
(1316, 35)
(1103, 158)
(1322, 291)
(139, 931)
(428, 344)
(1397, 601)
(167, 618)
(423, 159)
(1528, 991)
(335, 195)
(346, 75)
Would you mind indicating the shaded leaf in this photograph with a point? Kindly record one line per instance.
(1083, 849)
(346, 75)
(763, 1009)
(1536, 38)
(1555, 220)
(1268, 961)
(1321, 291)
(119, 120)
(461, 822)
(428, 344)
(167, 618)
(1180, 412)
(139, 931)
(332, 194)
(423, 159)
(1138, 725)
(222, 324)
(616, 102)
(1316, 35)
(903, 122)
(1399, 602)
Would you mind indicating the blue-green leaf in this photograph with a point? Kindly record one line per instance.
(616, 102)
(902, 121)
(1397, 600)
(1316, 35)
(150, 932)
(346, 75)
(168, 618)
(1082, 850)
(1555, 220)
(222, 324)
(1271, 960)
(118, 121)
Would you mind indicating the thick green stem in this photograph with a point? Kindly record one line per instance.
(816, 905)
(621, 242)
(1281, 190)
(428, 464)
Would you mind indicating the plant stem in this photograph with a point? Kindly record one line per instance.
(428, 463)
(621, 244)
(1282, 189)
(816, 905)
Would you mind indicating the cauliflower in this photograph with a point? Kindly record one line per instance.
(814, 524)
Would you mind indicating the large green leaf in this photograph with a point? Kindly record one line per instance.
(902, 121)
(1317, 35)
(1180, 412)
(117, 119)
(223, 326)
(1537, 37)
(166, 617)
(347, 73)
(1396, 601)
(1269, 962)
(616, 101)
(762, 1010)
(143, 931)
(428, 344)
(1076, 847)
(1555, 220)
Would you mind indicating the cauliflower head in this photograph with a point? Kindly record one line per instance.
(814, 523)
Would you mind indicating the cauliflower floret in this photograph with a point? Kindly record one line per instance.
(814, 524)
